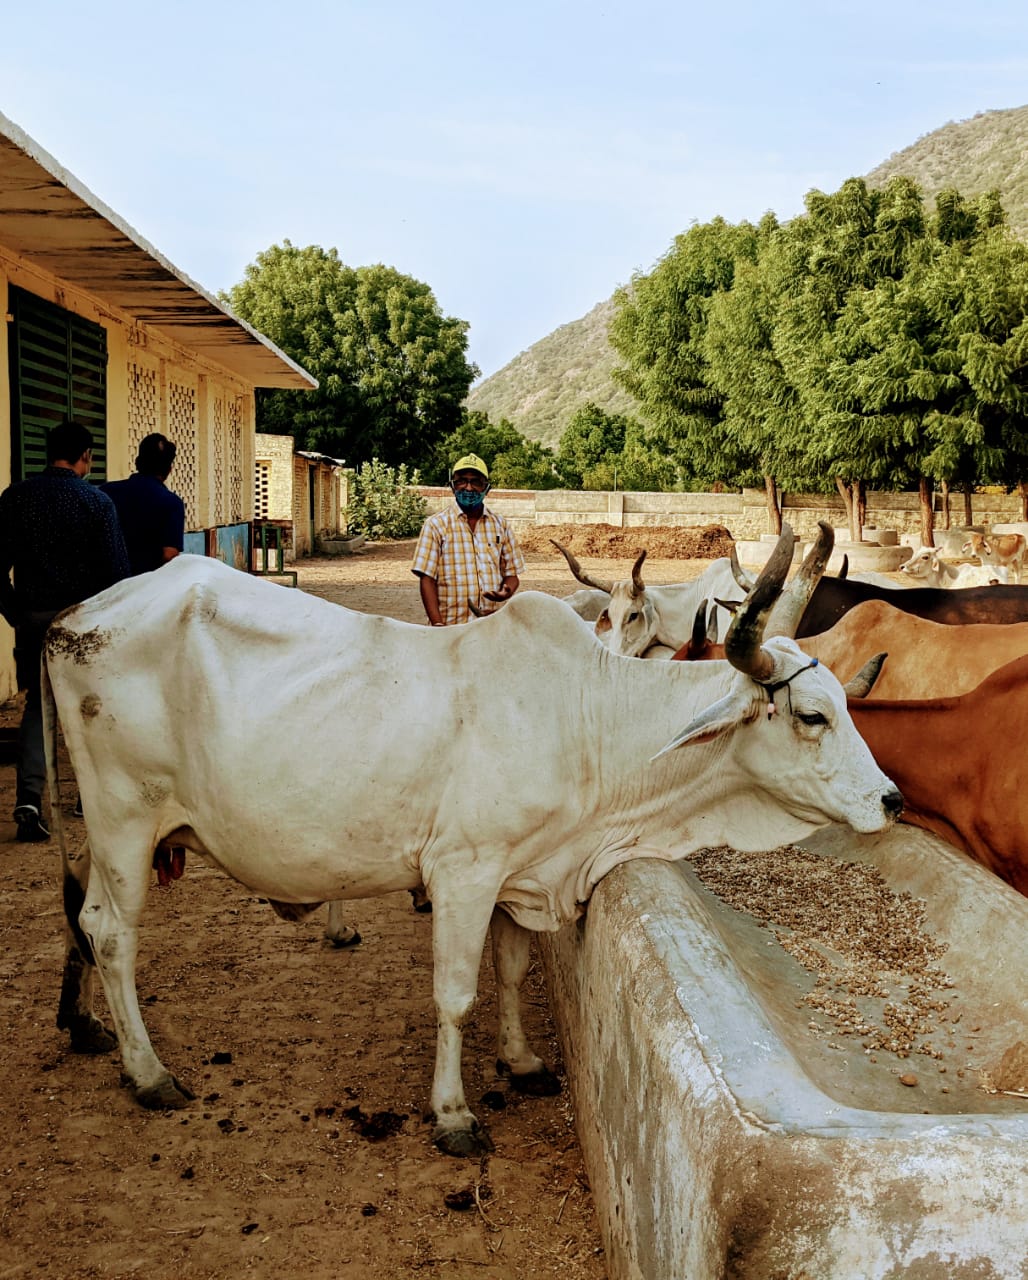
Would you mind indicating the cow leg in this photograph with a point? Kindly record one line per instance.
(109, 919)
(75, 1010)
(528, 1073)
(460, 920)
(337, 931)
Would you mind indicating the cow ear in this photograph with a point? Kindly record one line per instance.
(727, 713)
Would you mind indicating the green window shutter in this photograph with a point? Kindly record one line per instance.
(58, 370)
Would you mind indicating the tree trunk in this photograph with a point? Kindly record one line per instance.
(861, 508)
(1022, 489)
(774, 511)
(944, 489)
(924, 494)
(968, 515)
(847, 502)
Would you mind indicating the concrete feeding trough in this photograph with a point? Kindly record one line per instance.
(340, 546)
(756, 553)
(867, 557)
(725, 1137)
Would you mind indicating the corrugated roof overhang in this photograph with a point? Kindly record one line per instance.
(49, 218)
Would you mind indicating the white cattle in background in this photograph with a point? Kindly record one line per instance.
(930, 570)
(637, 621)
(507, 766)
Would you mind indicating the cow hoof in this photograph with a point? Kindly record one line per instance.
(347, 938)
(464, 1143)
(536, 1084)
(166, 1095)
(89, 1035)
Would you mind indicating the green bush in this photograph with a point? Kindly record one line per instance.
(383, 504)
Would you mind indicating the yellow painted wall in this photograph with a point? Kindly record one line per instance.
(152, 385)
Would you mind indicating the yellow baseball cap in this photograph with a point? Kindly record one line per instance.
(470, 462)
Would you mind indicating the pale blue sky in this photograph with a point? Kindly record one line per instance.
(523, 160)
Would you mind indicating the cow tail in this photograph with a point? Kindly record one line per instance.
(73, 889)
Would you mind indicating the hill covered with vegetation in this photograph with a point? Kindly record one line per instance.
(989, 151)
(541, 389)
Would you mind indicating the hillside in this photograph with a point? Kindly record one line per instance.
(540, 390)
(989, 150)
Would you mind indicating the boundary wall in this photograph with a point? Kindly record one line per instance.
(743, 514)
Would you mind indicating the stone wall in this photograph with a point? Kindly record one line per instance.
(743, 514)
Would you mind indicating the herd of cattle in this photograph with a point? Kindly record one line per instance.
(506, 766)
(949, 706)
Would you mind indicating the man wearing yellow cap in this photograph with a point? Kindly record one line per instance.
(466, 555)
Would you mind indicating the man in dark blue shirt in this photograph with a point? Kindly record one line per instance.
(153, 519)
(61, 537)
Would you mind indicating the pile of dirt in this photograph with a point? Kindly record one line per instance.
(660, 542)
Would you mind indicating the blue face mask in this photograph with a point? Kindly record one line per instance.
(468, 499)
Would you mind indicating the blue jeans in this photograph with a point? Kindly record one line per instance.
(28, 646)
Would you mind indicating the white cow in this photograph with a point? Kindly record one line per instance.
(507, 765)
(928, 568)
(637, 621)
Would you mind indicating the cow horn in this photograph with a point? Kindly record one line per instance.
(479, 613)
(638, 586)
(711, 636)
(699, 629)
(845, 568)
(579, 573)
(860, 685)
(743, 641)
(796, 596)
(740, 575)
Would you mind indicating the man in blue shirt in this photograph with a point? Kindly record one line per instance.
(153, 519)
(60, 536)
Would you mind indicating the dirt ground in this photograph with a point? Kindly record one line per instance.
(306, 1152)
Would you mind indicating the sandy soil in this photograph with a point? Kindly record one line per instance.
(291, 1047)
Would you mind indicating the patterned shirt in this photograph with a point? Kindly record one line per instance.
(61, 537)
(464, 564)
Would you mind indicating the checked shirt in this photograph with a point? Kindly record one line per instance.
(465, 564)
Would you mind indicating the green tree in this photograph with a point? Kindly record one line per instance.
(600, 450)
(514, 462)
(392, 369)
(384, 502)
(879, 341)
(659, 332)
(592, 436)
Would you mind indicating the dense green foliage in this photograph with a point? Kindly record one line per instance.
(542, 389)
(601, 451)
(392, 370)
(383, 503)
(513, 461)
(866, 342)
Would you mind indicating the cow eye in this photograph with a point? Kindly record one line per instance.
(632, 617)
(811, 717)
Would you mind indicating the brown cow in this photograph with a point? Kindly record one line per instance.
(947, 756)
(957, 762)
(926, 659)
(1003, 549)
